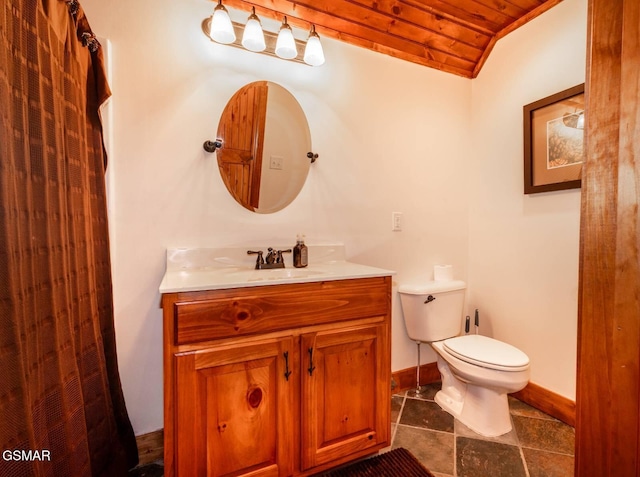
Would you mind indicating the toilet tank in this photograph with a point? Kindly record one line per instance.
(440, 317)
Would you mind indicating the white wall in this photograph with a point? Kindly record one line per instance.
(391, 135)
(523, 249)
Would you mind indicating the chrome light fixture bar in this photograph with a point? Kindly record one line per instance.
(254, 38)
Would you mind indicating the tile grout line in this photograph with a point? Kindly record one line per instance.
(548, 451)
(524, 462)
(522, 457)
(420, 428)
(455, 449)
(395, 430)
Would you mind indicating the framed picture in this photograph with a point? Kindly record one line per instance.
(554, 141)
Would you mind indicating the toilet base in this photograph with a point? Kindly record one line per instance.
(483, 410)
(485, 415)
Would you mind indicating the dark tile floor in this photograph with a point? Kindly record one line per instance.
(538, 445)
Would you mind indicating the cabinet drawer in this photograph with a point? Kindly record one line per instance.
(202, 316)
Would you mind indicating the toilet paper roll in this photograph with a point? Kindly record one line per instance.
(443, 273)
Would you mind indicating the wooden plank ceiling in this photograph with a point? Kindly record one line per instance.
(455, 36)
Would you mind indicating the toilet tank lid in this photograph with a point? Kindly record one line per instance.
(424, 288)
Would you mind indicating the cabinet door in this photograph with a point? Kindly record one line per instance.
(345, 393)
(233, 410)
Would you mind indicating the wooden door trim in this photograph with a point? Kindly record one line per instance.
(608, 392)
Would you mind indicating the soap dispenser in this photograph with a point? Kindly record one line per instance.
(300, 253)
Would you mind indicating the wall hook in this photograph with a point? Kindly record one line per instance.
(211, 146)
(312, 156)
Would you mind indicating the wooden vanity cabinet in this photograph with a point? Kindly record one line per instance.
(283, 380)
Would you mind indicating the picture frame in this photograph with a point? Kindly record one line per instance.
(554, 141)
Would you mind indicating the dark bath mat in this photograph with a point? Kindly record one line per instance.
(149, 470)
(396, 463)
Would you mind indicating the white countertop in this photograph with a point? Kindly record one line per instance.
(215, 269)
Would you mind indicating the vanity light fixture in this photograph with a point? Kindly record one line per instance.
(221, 27)
(286, 45)
(253, 36)
(313, 54)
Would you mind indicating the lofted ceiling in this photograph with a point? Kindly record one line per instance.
(455, 36)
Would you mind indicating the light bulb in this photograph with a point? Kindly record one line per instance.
(313, 54)
(286, 45)
(253, 37)
(221, 27)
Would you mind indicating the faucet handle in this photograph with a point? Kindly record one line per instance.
(259, 259)
(279, 253)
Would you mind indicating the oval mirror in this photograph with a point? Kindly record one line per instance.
(265, 140)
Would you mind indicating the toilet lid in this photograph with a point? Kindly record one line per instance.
(487, 352)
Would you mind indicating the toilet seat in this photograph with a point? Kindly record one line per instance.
(487, 352)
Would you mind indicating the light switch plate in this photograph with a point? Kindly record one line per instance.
(276, 162)
(396, 219)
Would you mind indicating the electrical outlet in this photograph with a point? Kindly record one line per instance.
(396, 220)
(276, 162)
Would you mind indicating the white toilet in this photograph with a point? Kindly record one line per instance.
(477, 372)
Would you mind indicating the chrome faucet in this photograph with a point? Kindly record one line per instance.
(274, 258)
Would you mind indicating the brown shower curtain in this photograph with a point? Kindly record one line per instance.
(60, 392)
